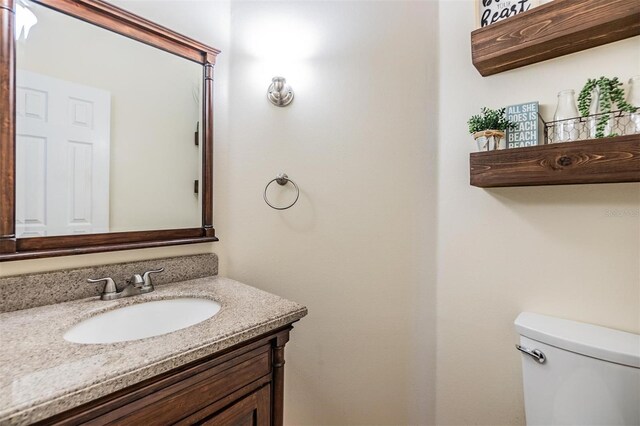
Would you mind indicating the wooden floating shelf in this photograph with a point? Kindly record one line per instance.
(552, 30)
(606, 160)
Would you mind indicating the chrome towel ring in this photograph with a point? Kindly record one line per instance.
(282, 180)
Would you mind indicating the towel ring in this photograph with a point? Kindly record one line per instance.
(282, 180)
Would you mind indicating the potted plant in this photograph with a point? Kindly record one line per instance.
(488, 128)
(597, 98)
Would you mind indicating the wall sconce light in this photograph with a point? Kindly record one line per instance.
(280, 93)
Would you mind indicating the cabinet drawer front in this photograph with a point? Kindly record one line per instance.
(253, 410)
(179, 400)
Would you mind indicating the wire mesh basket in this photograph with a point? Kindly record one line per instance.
(616, 123)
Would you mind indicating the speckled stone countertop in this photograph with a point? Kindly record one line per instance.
(41, 374)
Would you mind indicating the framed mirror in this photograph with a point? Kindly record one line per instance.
(106, 134)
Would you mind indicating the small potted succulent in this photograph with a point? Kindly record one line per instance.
(488, 128)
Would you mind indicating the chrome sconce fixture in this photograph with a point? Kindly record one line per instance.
(280, 93)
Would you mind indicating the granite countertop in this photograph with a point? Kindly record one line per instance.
(41, 374)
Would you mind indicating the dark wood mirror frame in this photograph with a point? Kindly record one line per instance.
(122, 22)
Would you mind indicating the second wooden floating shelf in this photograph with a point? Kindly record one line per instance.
(607, 160)
(551, 30)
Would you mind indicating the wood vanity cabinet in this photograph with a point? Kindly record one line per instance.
(243, 385)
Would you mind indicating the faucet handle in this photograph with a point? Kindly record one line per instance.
(109, 286)
(136, 281)
(146, 277)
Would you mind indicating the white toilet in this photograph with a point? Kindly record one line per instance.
(578, 374)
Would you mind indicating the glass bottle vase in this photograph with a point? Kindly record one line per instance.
(566, 118)
(633, 127)
(595, 115)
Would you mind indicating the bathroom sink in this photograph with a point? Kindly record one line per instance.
(142, 320)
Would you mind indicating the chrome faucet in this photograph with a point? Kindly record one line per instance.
(137, 284)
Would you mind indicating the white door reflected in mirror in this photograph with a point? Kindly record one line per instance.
(62, 168)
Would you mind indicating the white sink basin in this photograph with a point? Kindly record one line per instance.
(142, 320)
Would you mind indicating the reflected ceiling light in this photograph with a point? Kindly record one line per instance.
(25, 19)
(280, 93)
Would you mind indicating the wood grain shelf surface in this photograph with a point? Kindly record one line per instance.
(606, 160)
(552, 30)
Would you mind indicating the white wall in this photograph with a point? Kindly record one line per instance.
(358, 247)
(551, 250)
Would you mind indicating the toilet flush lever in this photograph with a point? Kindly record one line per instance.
(534, 353)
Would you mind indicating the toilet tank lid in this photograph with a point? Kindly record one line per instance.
(586, 339)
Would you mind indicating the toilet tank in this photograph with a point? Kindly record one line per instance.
(590, 375)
